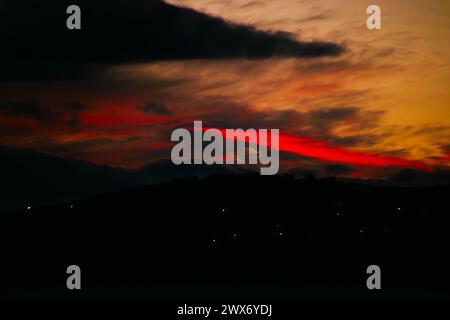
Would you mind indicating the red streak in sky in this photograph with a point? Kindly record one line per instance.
(322, 150)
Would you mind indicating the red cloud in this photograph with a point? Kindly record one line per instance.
(324, 151)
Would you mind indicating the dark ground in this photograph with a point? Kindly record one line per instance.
(233, 237)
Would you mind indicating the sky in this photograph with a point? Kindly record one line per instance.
(347, 100)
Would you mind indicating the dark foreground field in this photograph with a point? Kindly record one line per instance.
(232, 237)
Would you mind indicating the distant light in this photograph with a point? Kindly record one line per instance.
(71, 206)
(281, 234)
(399, 209)
(214, 240)
(337, 213)
(29, 208)
(361, 231)
(223, 210)
(235, 235)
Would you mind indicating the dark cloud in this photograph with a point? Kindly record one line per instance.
(27, 109)
(334, 114)
(76, 106)
(33, 109)
(37, 44)
(336, 169)
(412, 177)
(312, 166)
(157, 108)
(324, 121)
(312, 122)
(301, 172)
(74, 110)
(432, 129)
(320, 123)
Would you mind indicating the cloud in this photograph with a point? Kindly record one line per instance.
(157, 108)
(317, 168)
(309, 145)
(411, 177)
(339, 169)
(76, 106)
(39, 45)
(329, 135)
(323, 120)
(27, 108)
(300, 172)
(252, 4)
(332, 115)
(74, 109)
(68, 114)
(320, 122)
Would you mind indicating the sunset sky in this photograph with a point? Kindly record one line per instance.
(371, 101)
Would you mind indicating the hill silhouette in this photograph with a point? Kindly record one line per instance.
(31, 178)
(34, 178)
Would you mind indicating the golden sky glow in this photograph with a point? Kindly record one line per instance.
(403, 69)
